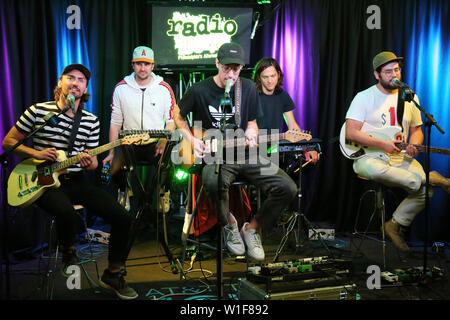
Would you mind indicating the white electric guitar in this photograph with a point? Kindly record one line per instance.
(353, 150)
(32, 177)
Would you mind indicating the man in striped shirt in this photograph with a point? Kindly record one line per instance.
(74, 187)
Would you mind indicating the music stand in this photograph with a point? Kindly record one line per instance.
(298, 216)
(143, 202)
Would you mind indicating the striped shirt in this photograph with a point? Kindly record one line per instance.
(58, 136)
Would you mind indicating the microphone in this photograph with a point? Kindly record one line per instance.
(71, 99)
(228, 86)
(400, 84)
(406, 92)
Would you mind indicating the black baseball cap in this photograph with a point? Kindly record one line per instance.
(79, 67)
(231, 53)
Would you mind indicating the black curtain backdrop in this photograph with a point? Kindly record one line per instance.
(344, 46)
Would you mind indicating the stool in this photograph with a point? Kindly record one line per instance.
(51, 268)
(378, 193)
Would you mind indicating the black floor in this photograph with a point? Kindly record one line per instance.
(151, 275)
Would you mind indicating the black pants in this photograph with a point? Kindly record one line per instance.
(77, 190)
(279, 188)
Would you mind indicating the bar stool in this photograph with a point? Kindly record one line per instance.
(52, 260)
(378, 191)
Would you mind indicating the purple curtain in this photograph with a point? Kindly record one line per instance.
(289, 40)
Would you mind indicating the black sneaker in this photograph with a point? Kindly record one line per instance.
(69, 258)
(117, 283)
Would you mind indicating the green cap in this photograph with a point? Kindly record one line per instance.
(383, 58)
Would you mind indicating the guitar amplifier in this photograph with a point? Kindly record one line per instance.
(285, 291)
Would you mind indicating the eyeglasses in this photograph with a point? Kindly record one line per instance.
(227, 68)
(390, 72)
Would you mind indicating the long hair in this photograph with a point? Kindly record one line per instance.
(263, 64)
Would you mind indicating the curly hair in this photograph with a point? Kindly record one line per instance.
(263, 64)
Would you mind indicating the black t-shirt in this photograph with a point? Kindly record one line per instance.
(273, 107)
(203, 100)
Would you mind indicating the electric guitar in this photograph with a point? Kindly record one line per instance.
(32, 177)
(186, 151)
(353, 150)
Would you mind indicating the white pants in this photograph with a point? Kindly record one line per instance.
(409, 175)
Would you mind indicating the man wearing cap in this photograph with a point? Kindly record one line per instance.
(203, 99)
(141, 101)
(381, 107)
(74, 189)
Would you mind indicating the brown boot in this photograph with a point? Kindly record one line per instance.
(395, 231)
(437, 180)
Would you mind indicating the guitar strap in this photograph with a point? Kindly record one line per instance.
(73, 133)
(400, 108)
(237, 102)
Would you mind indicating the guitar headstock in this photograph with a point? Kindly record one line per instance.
(295, 135)
(139, 139)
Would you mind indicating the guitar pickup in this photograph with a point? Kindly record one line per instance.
(28, 191)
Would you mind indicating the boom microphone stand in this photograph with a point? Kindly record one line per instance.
(408, 95)
(52, 119)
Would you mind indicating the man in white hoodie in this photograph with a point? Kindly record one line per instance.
(141, 101)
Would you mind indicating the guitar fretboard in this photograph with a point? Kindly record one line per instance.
(422, 148)
(73, 160)
(152, 133)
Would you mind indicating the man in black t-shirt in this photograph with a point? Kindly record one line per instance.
(205, 101)
(276, 103)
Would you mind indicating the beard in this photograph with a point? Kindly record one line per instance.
(387, 85)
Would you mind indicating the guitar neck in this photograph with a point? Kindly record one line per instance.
(154, 133)
(74, 160)
(230, 143)
(422, 148)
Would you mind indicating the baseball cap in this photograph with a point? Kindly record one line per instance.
(79, 67)
(231, 53)
(383, 58)
(143, 54)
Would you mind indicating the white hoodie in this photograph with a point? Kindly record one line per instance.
(133, 108)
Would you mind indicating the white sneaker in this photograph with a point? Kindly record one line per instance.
(253, 241)
(232, 238)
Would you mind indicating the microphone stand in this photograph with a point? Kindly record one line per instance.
(224, 104)
(408, 95)
(51, 119)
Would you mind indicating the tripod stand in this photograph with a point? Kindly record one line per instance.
(298, 218)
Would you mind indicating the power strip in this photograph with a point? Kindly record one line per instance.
(97, 236)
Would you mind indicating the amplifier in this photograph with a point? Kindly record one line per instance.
(251, 291)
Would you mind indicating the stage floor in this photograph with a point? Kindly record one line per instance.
(151, 275)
